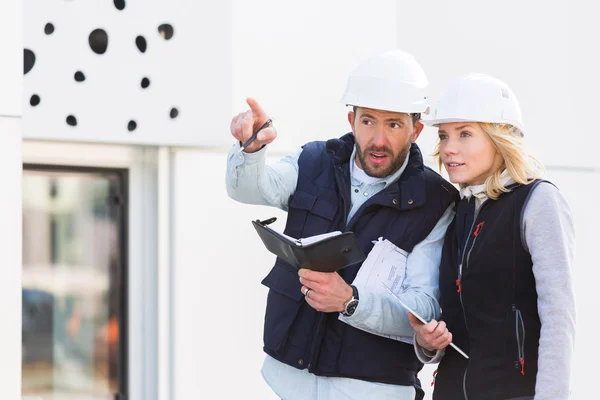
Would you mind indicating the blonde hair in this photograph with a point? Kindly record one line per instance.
(521, 166)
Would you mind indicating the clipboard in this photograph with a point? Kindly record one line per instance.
(324, 253)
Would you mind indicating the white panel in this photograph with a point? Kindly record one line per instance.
(11, 66)
(542, 49)
(295, 57)
(219, 303)
(10, 248)
(191, 71)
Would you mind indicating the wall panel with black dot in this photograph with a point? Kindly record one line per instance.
(124, 72)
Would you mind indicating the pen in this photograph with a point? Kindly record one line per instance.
(455, 347)
(253, 137)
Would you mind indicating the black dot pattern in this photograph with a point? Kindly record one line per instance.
(29, 60)
(34, 100)
(120, 4)
(166, 31)
(71, 120)
(141, 44)
(79, 76)
(98, 41)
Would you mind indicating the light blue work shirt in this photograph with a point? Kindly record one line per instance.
(249, 180)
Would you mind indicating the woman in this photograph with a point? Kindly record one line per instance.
(505, 275)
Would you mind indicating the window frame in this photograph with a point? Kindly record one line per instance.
(140, 301)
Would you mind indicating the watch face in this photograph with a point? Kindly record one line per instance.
(351, 306)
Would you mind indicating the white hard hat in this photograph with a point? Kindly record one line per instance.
(477, 98)
(390, 81)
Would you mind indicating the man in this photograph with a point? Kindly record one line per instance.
(372, 182)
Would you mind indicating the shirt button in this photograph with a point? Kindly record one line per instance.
(395, 201)
(300, 361)
(410, 201)
(355, 190)
(366, 194)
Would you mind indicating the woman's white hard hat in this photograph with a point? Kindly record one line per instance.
(477, 98)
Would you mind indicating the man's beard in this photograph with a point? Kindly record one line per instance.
(376, 171)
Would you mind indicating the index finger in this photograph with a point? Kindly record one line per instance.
(257, 111)
(310, 275)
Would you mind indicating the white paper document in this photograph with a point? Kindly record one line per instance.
(385, 266)
(386, 263)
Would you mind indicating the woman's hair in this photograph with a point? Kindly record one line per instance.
(522, 167)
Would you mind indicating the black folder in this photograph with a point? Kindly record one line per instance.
(326, 255)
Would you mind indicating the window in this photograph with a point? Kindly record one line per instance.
(74, 283)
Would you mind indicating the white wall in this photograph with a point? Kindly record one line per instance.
(11, 67)
(218, 299)
(546, 61)
(11, 70)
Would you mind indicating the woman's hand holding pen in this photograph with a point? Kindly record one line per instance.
(245, 124)
(431, 336)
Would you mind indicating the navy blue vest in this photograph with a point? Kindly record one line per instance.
(492, 311)
(404, 213)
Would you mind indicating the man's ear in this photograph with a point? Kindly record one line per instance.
(418, 128)
(351, 119)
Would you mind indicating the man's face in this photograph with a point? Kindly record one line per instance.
(383, 139)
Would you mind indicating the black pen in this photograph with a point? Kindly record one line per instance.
(253, 137)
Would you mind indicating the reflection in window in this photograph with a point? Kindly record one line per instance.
(72, 271)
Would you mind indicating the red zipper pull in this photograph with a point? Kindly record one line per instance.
(434, 374)
(458, 281)
(522, 361)
(479, 226)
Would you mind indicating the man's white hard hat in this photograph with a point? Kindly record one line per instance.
(389, 81)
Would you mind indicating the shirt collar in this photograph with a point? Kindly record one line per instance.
(479, 191)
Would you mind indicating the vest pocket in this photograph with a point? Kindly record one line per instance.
(283, 303)
(310, 213)
(517, 347)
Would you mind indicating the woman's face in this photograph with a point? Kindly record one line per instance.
(467, 153)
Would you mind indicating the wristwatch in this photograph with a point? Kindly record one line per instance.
(351, 304)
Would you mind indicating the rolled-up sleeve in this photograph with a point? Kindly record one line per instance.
(382, 314)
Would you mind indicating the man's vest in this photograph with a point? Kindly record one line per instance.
(491, 308)
(404, 213)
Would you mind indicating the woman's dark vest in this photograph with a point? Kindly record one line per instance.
(404, 213)
(491, 309)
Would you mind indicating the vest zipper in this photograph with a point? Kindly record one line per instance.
(465, 382)
(463, 307)
(520, 336)
(471, 248)
(459, 282)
